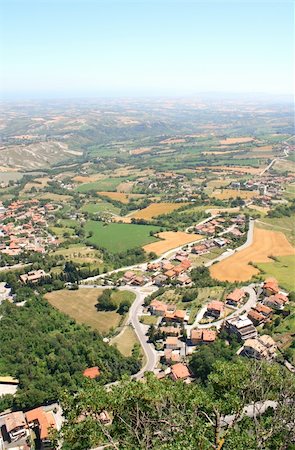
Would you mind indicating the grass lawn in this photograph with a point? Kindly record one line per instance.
(99, 207)
(80, 254)
(80, 305)
(149, 320)
(283, 270)
(60, 231)
(117, 237)
(125, 341)
(202, 259)
(107, 184)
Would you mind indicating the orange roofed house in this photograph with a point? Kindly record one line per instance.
(202, 336)
(91, 372)
(179, 371)
(276, 301)
(270, 287)
(33, 277)
(42, 423)
(215, 309)
(235, 297)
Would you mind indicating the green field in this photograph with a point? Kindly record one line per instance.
(283, 270)
(99, 207)
(117, 237)
(108, 184)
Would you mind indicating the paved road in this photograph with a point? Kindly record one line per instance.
(230, 252)
(236, 312)
(250, 410)
(151, 355)
(286, 153)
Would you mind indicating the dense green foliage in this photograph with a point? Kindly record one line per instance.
(47, 351)
(165, 415)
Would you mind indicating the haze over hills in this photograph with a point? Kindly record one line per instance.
(35, 134)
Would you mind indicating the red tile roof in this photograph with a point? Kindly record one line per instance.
(91, 372)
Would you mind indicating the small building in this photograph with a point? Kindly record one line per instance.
(235, 297)
(91, 372)
(5, 292)
(202, 336)
(262, 347)
(158, 308)
(172, 343)
(256, 318)
(14, 426)
(138, 280)
(220, 242)
(33, 277)
(242, 327)
(264, 310)
(160, 280)
(128, 276)
(152, 267)
(276, 301)
(42, 422)
(215, 309)
(184, 279)
(172, 356)
(180, 371)
(170, 331)
(270, 287)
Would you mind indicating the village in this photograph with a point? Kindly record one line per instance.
(23, 227)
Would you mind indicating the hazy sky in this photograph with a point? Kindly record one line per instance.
(117, 47)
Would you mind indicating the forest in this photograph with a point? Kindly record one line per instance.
(167, 415)
(48, 352)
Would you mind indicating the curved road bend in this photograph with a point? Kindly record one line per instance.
(151, 355)
(242, 309)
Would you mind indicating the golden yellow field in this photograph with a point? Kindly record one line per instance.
(171, 240)
(241, 140)
(265, 243)
(156, 209)
(225, 194)
(120, 196)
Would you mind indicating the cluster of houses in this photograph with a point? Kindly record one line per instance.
(165, 271)
(176, 340)
(162, 272)
(234, 226)
(269, 188)
(27, 430)
(23, 227)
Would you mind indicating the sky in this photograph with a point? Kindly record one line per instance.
(76, 48)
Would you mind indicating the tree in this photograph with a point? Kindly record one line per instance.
(124, 306)
(105, 301)
(167, 415)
